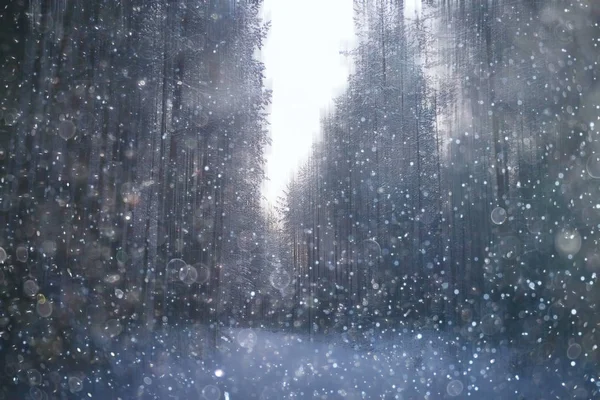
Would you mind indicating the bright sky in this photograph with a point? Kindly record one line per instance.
(305, 70)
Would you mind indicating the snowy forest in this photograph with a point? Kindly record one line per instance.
(440, 241)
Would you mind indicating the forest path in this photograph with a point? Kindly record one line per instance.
(258, 364)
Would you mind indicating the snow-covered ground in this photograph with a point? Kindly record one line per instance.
(175, 363)
(258, 364)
